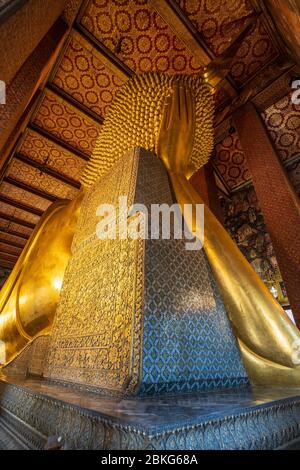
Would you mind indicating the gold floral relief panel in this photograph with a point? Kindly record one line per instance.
(138, 35)
(35, 178)
(42, 150)
(98, 316)
(67, 123)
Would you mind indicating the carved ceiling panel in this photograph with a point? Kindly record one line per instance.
(219, 21)
(83, 75)
(39, 180)
(50, 155)
(283, 123)
(17, 194)
(67, 123)
(134, 32)
(230, 162)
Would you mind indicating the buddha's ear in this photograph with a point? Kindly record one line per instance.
(217, 70)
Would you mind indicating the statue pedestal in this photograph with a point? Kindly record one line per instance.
(140, 317)
(240, 418)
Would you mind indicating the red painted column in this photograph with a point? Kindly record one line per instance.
(205, 184)
(278, 201)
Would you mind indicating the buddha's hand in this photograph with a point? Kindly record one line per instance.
(177, 130)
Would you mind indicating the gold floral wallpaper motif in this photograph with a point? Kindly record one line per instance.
(118, 181)
(230, 162)
(103, 277)
(42, 150)
(67, 123)
(25, 197)
(218, 21)
(137, 35)
(283, 124)
(83, 75)
(89, 348)
(18, 213)
(33, 177)
(98, 321)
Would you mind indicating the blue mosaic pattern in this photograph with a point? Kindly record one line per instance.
(188, 343)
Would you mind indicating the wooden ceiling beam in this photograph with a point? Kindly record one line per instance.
(73, 102)
(108, 58)
(8, 249)
(21, 205)
(9, 255)
(6, 264)
(171, 13)
(55, 140)
(11, 243)
(16, 220)
(64, 179)
(15, 234)
(30, 189)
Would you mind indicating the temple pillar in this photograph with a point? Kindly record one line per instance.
(22, 88)
(277, 199)
(203, 181)
(22, 26)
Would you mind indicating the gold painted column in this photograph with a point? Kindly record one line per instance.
(277, 199)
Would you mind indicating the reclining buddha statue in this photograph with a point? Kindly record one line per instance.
(171, 116)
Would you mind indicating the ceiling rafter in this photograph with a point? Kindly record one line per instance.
(89, 113)
(6, 264)
(21, 205)
(8, 247)
(57, 141)
(16, 220)
(170, 11)
(14, 233)
(8, 255)
(47, 170)
(30, 189)
(107, 57)
(11, 243)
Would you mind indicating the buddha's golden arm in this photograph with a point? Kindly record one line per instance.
(29, 297)
(265, 334)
